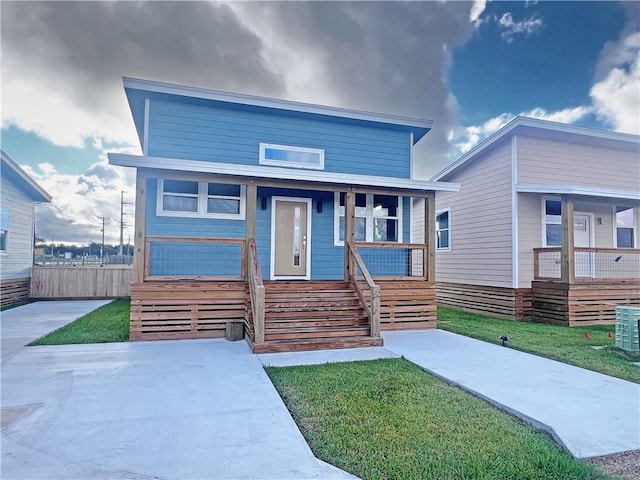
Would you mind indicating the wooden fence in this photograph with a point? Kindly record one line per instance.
(65, 282)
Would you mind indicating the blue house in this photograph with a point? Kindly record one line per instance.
(289, 220)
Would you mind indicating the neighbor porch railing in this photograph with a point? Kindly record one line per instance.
(256, 291)
(590, 264)
(395, 261)
(372, 301)
(194, 258)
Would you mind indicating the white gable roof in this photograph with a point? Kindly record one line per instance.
(546, 129)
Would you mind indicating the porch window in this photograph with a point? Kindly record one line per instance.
(552, 223)
(625, 227)
(378, 218)
(443, 231)
(4, 228)
(290, 156)
(183, 198)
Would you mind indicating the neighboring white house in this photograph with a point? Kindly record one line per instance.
(18, 195)
(502, 248)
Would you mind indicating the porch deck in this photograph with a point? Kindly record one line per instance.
(596, 281)
(299, 315)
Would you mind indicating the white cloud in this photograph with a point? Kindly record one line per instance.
(80, 201)
(616, 97)
(476, 10)
(510, 28)
(466, 138)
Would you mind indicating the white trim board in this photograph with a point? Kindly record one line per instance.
(578, 190)
(278, 173)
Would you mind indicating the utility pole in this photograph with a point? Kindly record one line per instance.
(104, 221)
(102, 244)
(122, 224)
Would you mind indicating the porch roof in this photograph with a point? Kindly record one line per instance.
(264, 174)
(581, 190)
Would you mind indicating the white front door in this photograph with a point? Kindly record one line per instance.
(582, 237)
(290, 232)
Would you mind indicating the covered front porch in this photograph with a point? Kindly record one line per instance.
(199, 286)
(582, 281)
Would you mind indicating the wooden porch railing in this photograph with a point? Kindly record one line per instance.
(371, 304)
(175, 258)
(409, 259)
(256, 291)
(600, 264)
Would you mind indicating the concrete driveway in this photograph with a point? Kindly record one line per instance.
(176, 409)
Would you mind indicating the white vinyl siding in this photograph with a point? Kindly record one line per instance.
(482, 210)
(552, 162)
(17, 258)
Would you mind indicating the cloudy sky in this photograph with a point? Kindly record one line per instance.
(469, 66)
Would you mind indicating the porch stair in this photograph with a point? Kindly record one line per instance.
(313, 315)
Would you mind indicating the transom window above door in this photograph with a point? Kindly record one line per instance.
(378, 218)
(186, 198)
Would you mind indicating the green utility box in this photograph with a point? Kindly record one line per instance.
(627, 328)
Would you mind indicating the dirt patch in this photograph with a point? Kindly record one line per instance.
(625, 464)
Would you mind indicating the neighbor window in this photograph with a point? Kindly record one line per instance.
(625, 230)
(552, 223)
(4, 228)
(378, 218)
(443, 230)
(185, 198)
(289, 156)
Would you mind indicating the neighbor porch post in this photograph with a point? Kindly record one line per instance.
(349, 231)
(567, 258)
(139, 238)
(429, 261)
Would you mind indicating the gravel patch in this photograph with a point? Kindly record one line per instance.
(624, 465)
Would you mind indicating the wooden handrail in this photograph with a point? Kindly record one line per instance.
(373, 306)
(256, 291)
(412, 246)
(622, 252)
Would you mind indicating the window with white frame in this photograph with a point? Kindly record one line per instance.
(186, 198)
(4, 228)
(443, 230)
(552, 222)
(625, 227)
(290, 156)
(378, 218)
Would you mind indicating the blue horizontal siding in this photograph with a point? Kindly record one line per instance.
(199, 132)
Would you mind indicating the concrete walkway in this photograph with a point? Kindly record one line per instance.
(22, 325)
(144, 410)
(589, 413)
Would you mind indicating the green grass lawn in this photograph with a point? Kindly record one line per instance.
(564, 344)
(109, 323)
(388, 419)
